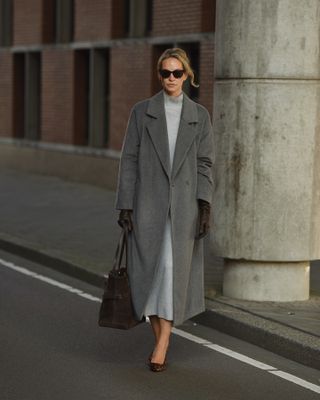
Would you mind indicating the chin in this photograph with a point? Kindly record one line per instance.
(172, 90)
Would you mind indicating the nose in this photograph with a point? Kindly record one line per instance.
(171, 77)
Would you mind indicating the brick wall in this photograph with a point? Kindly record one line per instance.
(176, 17)
(57, 96)
(27, 22)
(130, 81)
(206, 74)
(92, 20)
(6, 90)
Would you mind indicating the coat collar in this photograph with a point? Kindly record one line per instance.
(156, 107)
(157, 128)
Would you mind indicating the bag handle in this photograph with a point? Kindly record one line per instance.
(122, 245)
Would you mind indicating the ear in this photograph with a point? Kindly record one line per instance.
(184, 77)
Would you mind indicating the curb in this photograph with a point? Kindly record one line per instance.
(52, 262)
(281, 339)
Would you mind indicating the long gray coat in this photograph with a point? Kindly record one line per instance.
(147, 186)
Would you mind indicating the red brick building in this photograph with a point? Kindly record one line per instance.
(70, 71)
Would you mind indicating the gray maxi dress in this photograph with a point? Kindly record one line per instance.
(160, 301)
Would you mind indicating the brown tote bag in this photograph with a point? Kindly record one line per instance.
(116, 310)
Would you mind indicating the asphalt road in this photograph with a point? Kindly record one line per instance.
(51, 348)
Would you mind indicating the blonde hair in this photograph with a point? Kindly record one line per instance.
(180, 55)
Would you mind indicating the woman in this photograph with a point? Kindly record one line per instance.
(164, 194)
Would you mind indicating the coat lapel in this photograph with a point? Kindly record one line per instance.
(186, 133)
(157, 129)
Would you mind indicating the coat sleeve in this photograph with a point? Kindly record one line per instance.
(128, 165)
(205, 160)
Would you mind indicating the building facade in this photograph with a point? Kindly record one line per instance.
(70, 71)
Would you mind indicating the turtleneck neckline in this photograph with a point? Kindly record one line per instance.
(173, 99)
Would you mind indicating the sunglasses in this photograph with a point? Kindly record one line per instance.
(177, 73)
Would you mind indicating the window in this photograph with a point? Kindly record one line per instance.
(138, 17)
(6, 22)
(18, 95)
(57, 18)
(81, 97)
(92, 97)
(149, 17)
(27, 77)
(48, 21)
(98, 98)
(64, 11)
(32, 96)
(131, 18)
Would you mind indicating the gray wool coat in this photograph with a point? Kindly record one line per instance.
(148, 187)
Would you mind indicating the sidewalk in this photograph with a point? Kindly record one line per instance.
(72, 227)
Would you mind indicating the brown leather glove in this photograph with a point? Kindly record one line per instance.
(125, 219)
(204, 218)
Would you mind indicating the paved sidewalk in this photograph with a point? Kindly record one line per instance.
(72, 227)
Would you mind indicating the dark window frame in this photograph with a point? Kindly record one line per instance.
(27, 95)
(6, 23)
(92, 97)
(64, 21)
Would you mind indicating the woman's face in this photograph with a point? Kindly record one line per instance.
(172, 85)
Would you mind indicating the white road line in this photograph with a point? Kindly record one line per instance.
(241, 357)
(53, 282)
(296, 380)
(230, 353)
(189, 336)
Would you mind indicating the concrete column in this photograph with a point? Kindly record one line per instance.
(267, 131)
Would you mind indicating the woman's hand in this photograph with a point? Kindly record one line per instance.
(125, 219)
(204, 218)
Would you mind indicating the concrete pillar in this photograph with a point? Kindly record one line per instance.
(267, 132)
